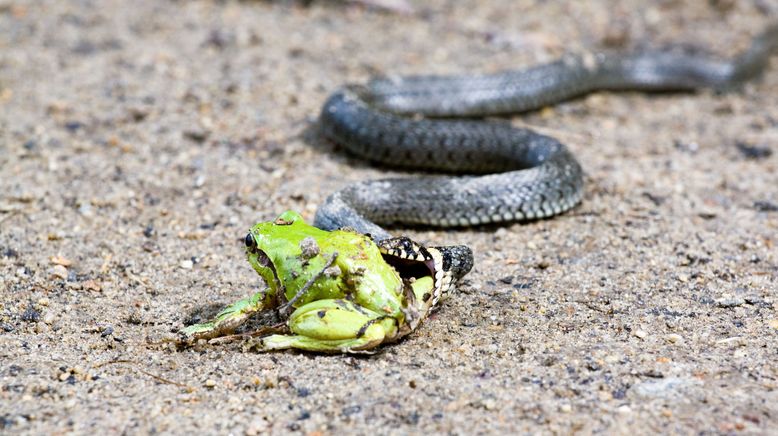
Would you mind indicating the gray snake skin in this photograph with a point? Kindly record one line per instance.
(513, 174)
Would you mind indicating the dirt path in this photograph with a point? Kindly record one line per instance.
(139, 140)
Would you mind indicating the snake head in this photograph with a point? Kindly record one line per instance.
(446, 265)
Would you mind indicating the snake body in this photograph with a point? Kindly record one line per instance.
(513, 174)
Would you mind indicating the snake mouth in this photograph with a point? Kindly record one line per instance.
(410, 259)
(414, 261)
(410, 268)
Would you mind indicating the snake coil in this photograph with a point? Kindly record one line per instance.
(513, 173)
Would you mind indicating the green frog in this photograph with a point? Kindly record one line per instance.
(340, 291)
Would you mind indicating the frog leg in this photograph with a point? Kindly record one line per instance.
(334, 326)
(226, 321)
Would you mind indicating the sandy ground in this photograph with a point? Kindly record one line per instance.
(140, 140)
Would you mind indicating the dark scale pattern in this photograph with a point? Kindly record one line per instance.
(515, 174)
(457, 259)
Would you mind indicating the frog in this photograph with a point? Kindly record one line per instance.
(339, 291)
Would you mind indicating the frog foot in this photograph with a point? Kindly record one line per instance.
(226, 321)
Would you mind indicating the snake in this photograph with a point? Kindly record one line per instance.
(494, 172)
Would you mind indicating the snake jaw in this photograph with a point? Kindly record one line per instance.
(414, 260)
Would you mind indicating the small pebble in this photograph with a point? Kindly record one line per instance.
(730, 302)
(543, 264)
(674, 338)
(732, 341)
(750, 151)
(91, 285)
(489, 404)
(196, 134)
(611, 358)
(187, 264)
(48, 318)
(257, 426)
(210, 383)
(640, 334)
(59, 271)
(765, 206)
(59, 260)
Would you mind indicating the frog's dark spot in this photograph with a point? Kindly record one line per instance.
(282, 222)
(342, 304)
(263, 260)
(364, 328)
(426, 296)
(321, 313)
(359, 309)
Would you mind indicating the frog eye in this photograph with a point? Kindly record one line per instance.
(250, 242)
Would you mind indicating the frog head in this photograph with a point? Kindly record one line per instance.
(273, 249)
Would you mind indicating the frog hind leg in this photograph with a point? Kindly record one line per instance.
(333, 326)
(226, 321)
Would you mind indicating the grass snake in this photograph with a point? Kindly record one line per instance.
(512, 174)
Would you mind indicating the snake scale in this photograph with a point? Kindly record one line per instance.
(512, 174)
